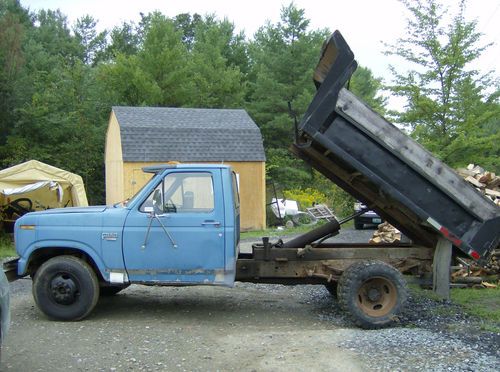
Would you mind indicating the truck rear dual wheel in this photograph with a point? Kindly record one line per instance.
(66, 288)
(373, 293)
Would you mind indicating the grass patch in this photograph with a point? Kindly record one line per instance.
(7, 248)
(274, 232)
(418, 291)
(483, 303)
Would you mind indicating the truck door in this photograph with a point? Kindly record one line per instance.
(176, 235)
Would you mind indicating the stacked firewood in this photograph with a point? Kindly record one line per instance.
(386, 233)
(486, 182)
(470, 273)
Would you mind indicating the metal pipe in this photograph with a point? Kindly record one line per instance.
(331, 228)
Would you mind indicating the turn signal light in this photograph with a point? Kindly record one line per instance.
(27, 227)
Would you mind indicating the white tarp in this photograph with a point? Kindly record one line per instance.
(45, 185)
(35, 186)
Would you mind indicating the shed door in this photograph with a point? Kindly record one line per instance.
(183, 242)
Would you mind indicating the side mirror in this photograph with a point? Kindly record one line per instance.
(157, 202)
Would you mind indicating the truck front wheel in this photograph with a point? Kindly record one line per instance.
(65, 288)
(373, 293)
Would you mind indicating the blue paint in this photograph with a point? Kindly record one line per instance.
(193, 240)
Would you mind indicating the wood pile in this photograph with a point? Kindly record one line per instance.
(469, 273)
(386, 233)
(486, 182)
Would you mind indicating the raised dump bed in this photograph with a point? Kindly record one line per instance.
(377, 163)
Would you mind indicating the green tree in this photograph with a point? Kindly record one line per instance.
(93, 44)
(124, 41)
(446, 97)
(165, 59)
(283, 57)
(367, 87)
(125, 83)
(216, 81)
(186, 24)
(59, 112)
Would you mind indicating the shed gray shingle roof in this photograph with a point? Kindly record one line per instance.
(158, 134)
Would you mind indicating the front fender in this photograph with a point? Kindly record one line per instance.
(38, 246)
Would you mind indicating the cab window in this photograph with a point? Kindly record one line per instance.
(187, 192)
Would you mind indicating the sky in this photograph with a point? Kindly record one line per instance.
(365, 24)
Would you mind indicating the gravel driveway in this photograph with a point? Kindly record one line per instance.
(252, 327)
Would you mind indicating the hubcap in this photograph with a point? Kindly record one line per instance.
(64, 289)
(377, 297)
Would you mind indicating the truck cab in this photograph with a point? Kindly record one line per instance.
(181, 228)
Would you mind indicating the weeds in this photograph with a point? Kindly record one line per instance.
(7, 246)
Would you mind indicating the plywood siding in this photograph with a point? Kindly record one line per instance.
(134, 178)
(252, 178)
(252, 189)
(113, 160)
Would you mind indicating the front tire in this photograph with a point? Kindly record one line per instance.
(66, 288)
(373, 293)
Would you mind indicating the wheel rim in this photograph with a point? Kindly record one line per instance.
(64, 289)
(377, 297)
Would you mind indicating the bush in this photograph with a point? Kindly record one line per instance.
(306, 197)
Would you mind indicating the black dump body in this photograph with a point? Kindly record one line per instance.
(378, 164)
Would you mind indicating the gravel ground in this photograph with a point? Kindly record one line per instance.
(252, 327)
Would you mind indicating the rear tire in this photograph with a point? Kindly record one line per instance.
(66, 288)
(373, 293)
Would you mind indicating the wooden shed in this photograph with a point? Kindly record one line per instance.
(142, 136)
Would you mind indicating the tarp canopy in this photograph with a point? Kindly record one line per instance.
(46, 186)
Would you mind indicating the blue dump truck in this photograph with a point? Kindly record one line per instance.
(182, 228)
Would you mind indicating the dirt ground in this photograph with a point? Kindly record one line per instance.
(262, 328)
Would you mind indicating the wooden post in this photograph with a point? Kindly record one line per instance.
(441, 268)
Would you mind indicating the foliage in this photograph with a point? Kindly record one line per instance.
(448, 101)
(306, 198)
(92, 43)
(368, 87)
(286, 170)
(341, 202)
(277, 233)
(216, 81)
(58, 84)
(283, 57)
(6, 246)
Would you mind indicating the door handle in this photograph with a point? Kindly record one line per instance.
(211, 223)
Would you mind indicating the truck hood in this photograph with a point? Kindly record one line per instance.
(94, 209)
